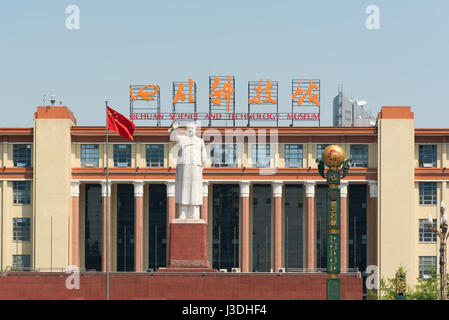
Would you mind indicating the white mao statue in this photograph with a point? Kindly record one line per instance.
(192, 157)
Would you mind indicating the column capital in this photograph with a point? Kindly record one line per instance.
(344, 189)
(138, 188)
(103, 188)
(205, 188)
(372, 189)
(310, 188)
(277, 189)
(75, 188)
(244, 189)
(170, 188)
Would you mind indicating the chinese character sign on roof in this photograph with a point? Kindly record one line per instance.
(262, 92)
(306, 92)
(222, 92)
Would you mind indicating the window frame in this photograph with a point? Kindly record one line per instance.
(23, 267)
(120, 155)
(422, 193)
(288, 161)
(425, 233)
(86, 152)
(224, 162)
(18, 231)
(19, 156)
(148, 155)
(424, 155)
(255, 155)
(23, 198)
(422, 264)
(358, 161)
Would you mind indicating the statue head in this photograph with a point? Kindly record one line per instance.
(191, 129)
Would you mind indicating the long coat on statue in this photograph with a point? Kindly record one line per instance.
(192, 157)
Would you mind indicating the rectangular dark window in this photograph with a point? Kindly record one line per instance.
(261, 155)
(223, 155)
(293, 155)
(21, 229)
(22, 155)
(122, 155)
(425, 234)
(21, 192)
(427, 193)
(261, 228)
(427, 266)
(155, 155)
(89, 155)
(21, 262)
(359, 155)
(319, 150)
(293, 226)
(428, 156)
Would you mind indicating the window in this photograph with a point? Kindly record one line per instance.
(428, 156)
(22, 155)
(21, 261)
(427, 193)
(89, 155)
(155, 155)
(261, 155)
(293, 155)
(122, 155)
(223, 155)
(21, 229)
(359, 155)
(319, 150)
(21, 192)
(427, 266)
(425, 234)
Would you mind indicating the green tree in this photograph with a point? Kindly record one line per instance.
(427, 288)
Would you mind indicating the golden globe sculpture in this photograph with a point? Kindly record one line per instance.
(333, 156)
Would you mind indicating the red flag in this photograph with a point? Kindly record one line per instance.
(121, 124)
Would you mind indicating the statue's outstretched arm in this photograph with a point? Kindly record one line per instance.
(173, 131)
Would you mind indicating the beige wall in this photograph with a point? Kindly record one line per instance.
(396, 198)
(51, 185)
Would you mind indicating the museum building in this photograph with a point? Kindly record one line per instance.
(264, 200)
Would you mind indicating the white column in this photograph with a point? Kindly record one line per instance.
(277, 197)
(205, 205)
(75, 193)
(310, 195)
(138, 225)
(244, 200)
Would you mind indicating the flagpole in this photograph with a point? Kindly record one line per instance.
(107, 204)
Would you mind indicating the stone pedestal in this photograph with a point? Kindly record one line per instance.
(188, 246)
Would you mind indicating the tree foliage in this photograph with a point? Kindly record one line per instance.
(427, 288)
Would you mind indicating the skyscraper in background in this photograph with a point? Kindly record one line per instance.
(349, 113)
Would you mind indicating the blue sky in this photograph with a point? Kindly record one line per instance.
(405, 62)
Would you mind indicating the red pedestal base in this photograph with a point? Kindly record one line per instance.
(188, 248)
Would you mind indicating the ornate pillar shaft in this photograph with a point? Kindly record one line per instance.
(138, 226)
(244, 197)
(277, 195)
(75, 192)
(344, 225)
(310, 196)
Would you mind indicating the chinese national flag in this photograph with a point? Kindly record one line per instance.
(121, 124)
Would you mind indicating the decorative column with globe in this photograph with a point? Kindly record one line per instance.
(333, 157)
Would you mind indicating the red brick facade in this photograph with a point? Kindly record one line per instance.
(173, 286)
